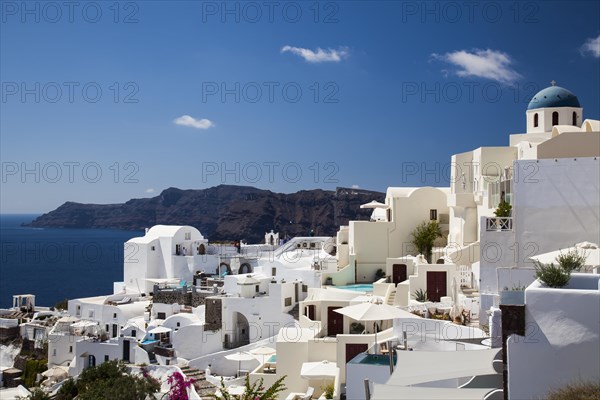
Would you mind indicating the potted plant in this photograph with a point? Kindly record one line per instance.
(424, 236)
(356, 328)
(421, 296)
(503, 210)
(380, 273)
(328, 391)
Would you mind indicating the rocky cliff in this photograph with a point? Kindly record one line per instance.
(223, 212)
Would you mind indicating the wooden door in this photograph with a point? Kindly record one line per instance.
(311, 311)
(399, 273)
(353, 349)
(335, 322)
(436, 285)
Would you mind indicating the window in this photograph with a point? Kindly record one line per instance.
(105, 358)
(304, 288)
(188, 236)
(555, 118)
(78, 311)
(134, 333)
(536, 121)
(161, 315)
(70, 349)
(574, 118)
(107, 328)
(312, 245)
(54, 352)
(257, 288)
(273, 271)
(91, 313)
(178, 324)
(288, 301)
(114, 315)
(153, 248)
(433, 215)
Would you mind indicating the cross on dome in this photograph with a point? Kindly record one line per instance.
(553, 82)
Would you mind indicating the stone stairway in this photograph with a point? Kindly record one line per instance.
(392, 298)
(204, 388)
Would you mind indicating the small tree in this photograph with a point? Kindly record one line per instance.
(551, 275)
(255, 391)
(572, 260)
(109, 380)
(503, 210)
(421, 296)
(424, 236)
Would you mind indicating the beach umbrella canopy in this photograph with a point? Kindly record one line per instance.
(374, 311)
(591, 252)
(319, 370)
(159, 329)
(263, 351)
(56, 372)
(239, 357)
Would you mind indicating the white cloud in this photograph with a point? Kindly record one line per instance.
(186, 120)
(150, 190)
(318, 56)
(592, 47)
(355, 187)
(490, 64)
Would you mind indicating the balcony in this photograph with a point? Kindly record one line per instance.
(498, 224)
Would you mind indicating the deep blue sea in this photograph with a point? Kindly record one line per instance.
(55, 264)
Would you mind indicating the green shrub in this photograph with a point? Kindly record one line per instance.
(577, 391)
(503, 210)
(32, 368)
(551, 275)
(424, 235)
(421, 296)
(572, 260)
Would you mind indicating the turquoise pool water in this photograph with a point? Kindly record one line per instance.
(372, 359)
(272, 359)
(361, 287)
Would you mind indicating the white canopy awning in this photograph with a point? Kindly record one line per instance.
(84, 324)
(159, 329)
(587, 249)
(319, 370)
(414, 367)
(393, 392)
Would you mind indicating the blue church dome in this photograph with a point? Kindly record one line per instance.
(553, 96)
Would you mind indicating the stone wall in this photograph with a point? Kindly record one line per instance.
(213, 316)
(193, 299)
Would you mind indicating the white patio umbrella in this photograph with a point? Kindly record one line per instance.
(319, 370)
(239, 357)
(159, 329)
(455, 311)
(374, 311)
(263, 351)
(374, 204)
(591, 252)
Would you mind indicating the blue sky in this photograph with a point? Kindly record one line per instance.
(102, 102)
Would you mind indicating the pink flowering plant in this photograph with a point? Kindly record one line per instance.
(179, 386)
(255, 391)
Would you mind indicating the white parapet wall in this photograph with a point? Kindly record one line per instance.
(562, 339)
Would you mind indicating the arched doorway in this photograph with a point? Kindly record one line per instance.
(224, 269)
(245, 268)
(241, 329)
(202, 249)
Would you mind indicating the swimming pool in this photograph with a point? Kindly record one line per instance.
(360, 287)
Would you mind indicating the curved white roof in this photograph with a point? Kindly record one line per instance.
(591, 125)
(158, 231)
(559, 129)
(396, 192)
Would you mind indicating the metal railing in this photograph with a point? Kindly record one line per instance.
(499, 224)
